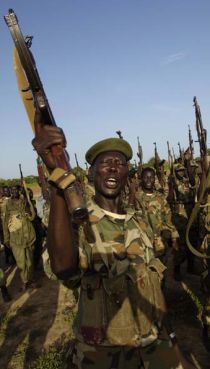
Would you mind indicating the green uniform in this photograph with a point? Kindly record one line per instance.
(160, 218)
(182, 208)
(121, 303)
(19, 233)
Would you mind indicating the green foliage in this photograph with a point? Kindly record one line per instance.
(53, 359)
(151, 161)
(16, 181)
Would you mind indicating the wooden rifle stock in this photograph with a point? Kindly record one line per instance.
(74, 199)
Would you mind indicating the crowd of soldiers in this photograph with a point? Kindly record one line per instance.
(159, 200)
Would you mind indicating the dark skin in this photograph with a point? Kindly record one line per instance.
(109, 173)
(148, 181)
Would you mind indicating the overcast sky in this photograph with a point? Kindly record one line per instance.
(106, 65)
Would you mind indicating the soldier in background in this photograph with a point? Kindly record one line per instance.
(182, 207)
(19, 234)
(5, 195)
(158, 212)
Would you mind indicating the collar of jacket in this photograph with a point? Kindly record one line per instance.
(96, 213)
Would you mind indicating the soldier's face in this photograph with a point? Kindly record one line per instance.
(110, 172)
(15, 192)
(180, 174)
(6, 192)
(148, 180)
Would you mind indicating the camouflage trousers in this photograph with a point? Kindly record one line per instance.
(157, 355)
(24, 260)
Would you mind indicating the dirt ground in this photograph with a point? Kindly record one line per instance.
(35, 327)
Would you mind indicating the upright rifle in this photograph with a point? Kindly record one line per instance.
(140, 156)
(201, 132)
(159, 167)
(190, 142)
(180, 152)
(34, 98)
(42, 173)
(171, 177)
(119, 133)
(77, 163)
(170, 157)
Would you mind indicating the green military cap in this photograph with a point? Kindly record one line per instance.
(109, 144)
(178, 167)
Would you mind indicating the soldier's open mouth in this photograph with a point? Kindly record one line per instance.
(111, 182)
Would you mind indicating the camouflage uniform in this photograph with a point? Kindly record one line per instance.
(181, 209)
(121, 304)
(160, 219)
(19, 233)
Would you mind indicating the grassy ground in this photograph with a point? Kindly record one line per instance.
(36, 326)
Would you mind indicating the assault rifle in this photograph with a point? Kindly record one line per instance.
(43, 179)
(181, 154)
(140, 156)
(77, 163)
(32, 91)
(159, 167)
(170, 157)
(201, 132)
(119, 133)
(190, 142)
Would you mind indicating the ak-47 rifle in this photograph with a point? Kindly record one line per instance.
(119, 133)
(76, 160)
(159, 167)
(170, 157)
(140, 156)
(191, 147)
(201, 132)
(180, 152)
(171, 177)
(41, 169)
(34, 98)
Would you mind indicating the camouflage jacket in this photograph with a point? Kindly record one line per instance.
(158, 212)
(185, 198)
(18, 229)
(117, 268)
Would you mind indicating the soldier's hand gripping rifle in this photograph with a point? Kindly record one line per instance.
(35, 100)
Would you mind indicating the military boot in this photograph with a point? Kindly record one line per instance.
(5, 294)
